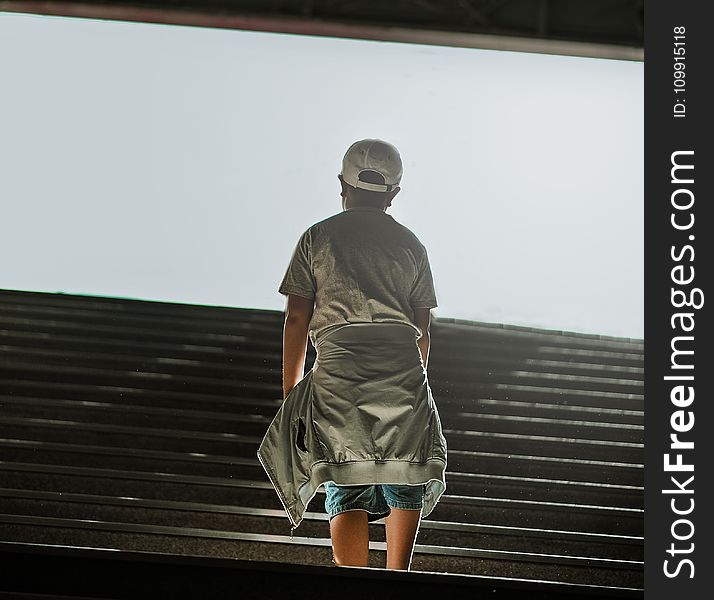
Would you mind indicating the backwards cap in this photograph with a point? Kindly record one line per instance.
(373, 155)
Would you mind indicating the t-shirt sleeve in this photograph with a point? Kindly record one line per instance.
(299, 279)
(423, 294)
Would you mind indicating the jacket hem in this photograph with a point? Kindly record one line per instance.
(370, 472)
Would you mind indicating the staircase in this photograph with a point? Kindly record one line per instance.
(134, 425)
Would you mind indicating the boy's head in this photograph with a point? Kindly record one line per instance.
(370, 176)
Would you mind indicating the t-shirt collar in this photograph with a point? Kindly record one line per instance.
(364, 208)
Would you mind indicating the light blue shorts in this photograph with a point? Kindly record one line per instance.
(378, 500)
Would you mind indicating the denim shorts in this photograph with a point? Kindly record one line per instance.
(378, 500)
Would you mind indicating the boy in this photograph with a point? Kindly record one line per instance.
(363, 420)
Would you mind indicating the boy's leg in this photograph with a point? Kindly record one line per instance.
(402, 524)
(401, 528)
(350, 538)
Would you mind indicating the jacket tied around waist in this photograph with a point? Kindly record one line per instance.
(364, 414)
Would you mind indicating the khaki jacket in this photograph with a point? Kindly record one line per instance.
(364, 414)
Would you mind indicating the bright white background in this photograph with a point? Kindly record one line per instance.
(181, 164)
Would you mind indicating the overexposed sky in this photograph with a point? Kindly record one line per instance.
(182, 163)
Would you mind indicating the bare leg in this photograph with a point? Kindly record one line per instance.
(401, 528)
(350, 538)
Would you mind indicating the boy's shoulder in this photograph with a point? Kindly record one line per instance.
(341, 219)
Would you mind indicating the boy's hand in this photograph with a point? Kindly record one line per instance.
(422, 319)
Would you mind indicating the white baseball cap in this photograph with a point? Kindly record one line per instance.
(372, 155)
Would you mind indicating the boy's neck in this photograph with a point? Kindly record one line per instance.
(365, 207)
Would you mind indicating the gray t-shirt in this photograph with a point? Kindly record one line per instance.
(360, 266)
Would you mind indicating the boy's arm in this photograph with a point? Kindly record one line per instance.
(295, 329)
(422, 319)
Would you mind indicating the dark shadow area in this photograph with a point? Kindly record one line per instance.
(77, 573)
(133, 425)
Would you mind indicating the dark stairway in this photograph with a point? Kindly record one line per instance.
(134, 425)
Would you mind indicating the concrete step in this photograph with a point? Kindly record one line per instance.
(604, 551)
(283, 550)
(462, 464)
(482, 364)
(250, 424)
(492, 510)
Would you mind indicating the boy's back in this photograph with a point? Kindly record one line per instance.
(360, 266)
